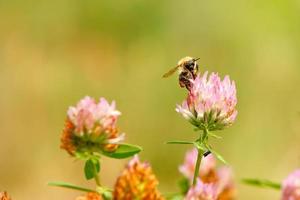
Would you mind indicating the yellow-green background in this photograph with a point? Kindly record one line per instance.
(53, 53)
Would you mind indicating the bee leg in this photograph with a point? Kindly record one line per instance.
(181, 83)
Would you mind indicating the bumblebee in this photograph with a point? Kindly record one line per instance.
(187, 68)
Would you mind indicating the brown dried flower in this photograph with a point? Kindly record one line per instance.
(90, 196)
(67, 137)
(137, 181)
(4, 196)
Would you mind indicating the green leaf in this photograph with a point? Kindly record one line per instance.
(216, 154)
(69, 186)
(262, 183)
(123, 151)
(179, 142)
(91, 168)
(96, 164)
(219, 157)
(184, 185)
(214, 135)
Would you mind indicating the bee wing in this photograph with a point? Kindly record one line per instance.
(169, 73)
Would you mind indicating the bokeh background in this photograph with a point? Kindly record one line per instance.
(53, 53)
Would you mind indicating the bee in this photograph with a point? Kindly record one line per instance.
(187, 68)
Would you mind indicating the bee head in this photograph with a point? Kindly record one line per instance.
(189, 63)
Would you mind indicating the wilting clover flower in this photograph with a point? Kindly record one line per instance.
(291, 186)
(4, 196)
(91, 125)
(202, 191)
(220, 179)
(210, 103)
(90, 196)
(137, 181)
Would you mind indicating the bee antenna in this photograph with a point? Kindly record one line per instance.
(196, 59)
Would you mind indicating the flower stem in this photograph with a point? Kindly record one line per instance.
(70, 186)
(97, 180)
(197, 166)
(204, 136)
(201, 140)
(96, 177)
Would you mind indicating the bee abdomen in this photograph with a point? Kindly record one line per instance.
(184, 79)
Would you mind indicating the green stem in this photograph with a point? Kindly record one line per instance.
(204, 136)
(70, 186)
(97, 180)
(202, 140)
(198, 162)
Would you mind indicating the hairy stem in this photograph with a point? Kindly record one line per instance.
(197, 166)
(202, 140)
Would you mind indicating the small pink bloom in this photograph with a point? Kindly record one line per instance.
(88, 113)
(226, 186)
(210, 103)
(202, 191)
(291, 186)
(208, 163)
(225, 177)
(221, 178)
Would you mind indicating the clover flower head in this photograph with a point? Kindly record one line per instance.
(221, 178)
(207, 167)
(291, 186)
(137, 181)
(88, 113)
(202, 191)
(91, 124)
(210, 103)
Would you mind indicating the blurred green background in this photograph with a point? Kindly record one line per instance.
(52, 53)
